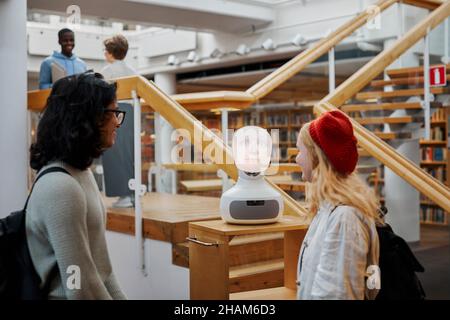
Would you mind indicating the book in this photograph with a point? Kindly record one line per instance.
(58, 72)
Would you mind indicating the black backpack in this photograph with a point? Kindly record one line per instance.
(18, 277)
(398, 267)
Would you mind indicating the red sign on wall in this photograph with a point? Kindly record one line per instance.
(438, 77)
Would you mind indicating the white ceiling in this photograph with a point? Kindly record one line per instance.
(210, 15)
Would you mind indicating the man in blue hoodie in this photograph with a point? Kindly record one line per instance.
(66, 63)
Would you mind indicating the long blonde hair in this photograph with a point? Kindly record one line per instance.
(329, 185)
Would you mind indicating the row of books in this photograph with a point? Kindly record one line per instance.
(439, 115)
(432, 214)
(277, 119)
(438, 134)
(301, 118)
(434, 154)
(438, 172)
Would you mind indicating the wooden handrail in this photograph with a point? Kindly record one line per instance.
(37, 99)
(410, 172)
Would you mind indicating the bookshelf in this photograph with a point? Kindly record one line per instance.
(283, 123)
(435, 160)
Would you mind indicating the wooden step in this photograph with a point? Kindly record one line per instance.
(387, 120)
(255, 276)
(363, 153)
(381, 106)
(279, 293)
(399, 93)
(400, 81)
(409, 72)
(393, 135)
(366, 168)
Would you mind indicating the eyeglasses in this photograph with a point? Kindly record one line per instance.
(120, 115)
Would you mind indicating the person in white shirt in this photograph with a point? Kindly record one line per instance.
(341, 248)
(118, 161)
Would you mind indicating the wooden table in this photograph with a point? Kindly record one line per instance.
(209, 257)
(165, 216)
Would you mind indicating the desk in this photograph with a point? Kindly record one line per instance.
(209, 257)
(165, 216)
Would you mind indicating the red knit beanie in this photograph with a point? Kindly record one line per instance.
(333, 133)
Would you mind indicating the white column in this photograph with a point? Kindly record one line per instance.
(13, 118)
(403, 200)
(163, 131)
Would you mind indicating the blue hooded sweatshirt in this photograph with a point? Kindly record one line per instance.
(72, 65)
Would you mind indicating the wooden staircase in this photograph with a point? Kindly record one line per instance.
(391, 114)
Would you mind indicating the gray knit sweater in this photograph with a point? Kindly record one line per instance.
(65, 224)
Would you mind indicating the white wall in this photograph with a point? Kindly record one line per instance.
(13, 119)
(164, 280)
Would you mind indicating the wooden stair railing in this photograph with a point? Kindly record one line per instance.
(380, 150)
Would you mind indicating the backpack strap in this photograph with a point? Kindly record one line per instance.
(46, 288)
(43, 173)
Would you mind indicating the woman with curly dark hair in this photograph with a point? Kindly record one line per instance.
(65, 220)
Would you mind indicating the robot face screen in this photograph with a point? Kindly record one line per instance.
(252, 149)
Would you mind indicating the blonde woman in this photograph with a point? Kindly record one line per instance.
(342, 241)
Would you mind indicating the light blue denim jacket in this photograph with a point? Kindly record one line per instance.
(72, 65)
(336, 252)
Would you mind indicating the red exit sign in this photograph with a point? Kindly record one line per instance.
(438, 78)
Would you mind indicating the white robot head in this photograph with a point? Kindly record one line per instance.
(252, 149)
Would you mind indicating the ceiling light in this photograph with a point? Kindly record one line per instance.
(299, 40)
(216, 53)
(268, 45)
(242, 50)
(172, 60)
(192, 56)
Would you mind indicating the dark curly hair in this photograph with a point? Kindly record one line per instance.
(69, 129)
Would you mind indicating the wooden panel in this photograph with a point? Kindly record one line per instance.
(202, 185)
(180, 254)
(400, 81)
(258, 279)
(37, 99)
(257, 267)
(209, 270)
(393, 135)
(243, 249)
(381, 106)
(399, 93)
(382, 120)
(281, 293)
(292, 243)
(256, 252)
(426, 4)
(221, 227)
